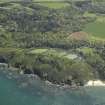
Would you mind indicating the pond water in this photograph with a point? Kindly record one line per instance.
(13, 92)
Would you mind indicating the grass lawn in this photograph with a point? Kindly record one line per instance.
(87, 14)
(55, 52)
(38, 51)
(47, 3)
(85, 50)
(97, 29)
(55, 5)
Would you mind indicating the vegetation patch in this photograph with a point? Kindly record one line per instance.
(55, 5)
(61, 43)
(96, 29)
(86, 50)
(38, 51)
(79, 36)
(54, 52)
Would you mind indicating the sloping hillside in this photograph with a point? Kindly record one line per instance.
(59, 42)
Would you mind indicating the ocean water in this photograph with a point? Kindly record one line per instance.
(13, 92)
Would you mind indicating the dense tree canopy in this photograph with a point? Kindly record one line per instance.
(28, 26)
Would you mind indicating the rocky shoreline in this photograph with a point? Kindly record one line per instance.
(19, 75)
(13, 73)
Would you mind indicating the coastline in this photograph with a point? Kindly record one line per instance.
(14, 73)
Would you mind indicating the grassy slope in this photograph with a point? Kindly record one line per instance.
(45, 51)
(52, 3)
(46, 3)
(56, 52)
(97, 28)
(55, 5)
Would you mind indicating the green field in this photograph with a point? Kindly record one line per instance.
(55, 5)
(47, 3)
(55, 52)
(96, 29)
(86, 50)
